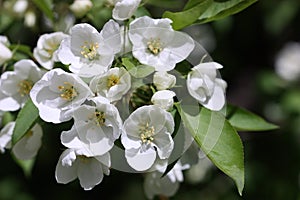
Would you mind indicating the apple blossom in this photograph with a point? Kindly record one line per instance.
(167, 185)
(81, 7)
(124, 9)
(147, 133)
(113, 84)
(46, 50)
(204, 85)
(89, 170)
(155, 43)
(162, 80)
(58, 93)
(95, 128)
(163, 99)
(287, 63)
(5, 136)
(89, 52)
(16, 85)
(6, 53)
(27, 147)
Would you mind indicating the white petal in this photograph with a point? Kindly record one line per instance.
(65, 173)
(111, 36)
(124, 9)
(5, 136)
(5, 55)
(164, 144)
(140, 160)
(217, 100)
(28, 146)
(90, 173)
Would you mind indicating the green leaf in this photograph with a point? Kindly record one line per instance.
(46, 7)
(202, 11)
(6, 118)
(127, 63)
(22, 49)
(141, 71)
(218, 140)
(243, 120)
(187, 17)
(26, 118)
(220, 9)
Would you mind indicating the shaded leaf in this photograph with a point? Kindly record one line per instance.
(203, 11)
(45, 7)
(221, 9)
(26, 118)
(141, 71)
(218, 140)
(243, 120)
(187, 17)
(26, 165)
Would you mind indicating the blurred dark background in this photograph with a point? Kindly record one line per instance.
(246, 44)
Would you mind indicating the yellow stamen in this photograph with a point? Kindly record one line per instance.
(100, 118)
(25, 87)
(147, 133)
(154, 46)
(68, 91)
(89, 50)
(83, 159)
(112, 80)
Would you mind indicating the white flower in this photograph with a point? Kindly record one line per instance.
(6, 53)
(155, 184)
(124, 9)
(30, 18)
(163, 99)
(287, 63)
(204, 86)
(20, 7)
(5, 136)
(57, 93)
(155, 43)
(95, 128)
(112, 85)
(27, 147)
(147, 132)
(16, 85)
(81, 7)
(89, 170)
(163, 80)
(46, 51)
(89, 52)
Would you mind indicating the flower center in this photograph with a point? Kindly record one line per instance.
(29, 134)
(89, 50)
(83, 159)
(147, 133)
(112, 80)
(154, 46)
(100, 118)
(68, 92)
(52, 48)
(25, 87)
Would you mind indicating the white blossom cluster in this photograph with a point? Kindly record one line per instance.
(94, 86)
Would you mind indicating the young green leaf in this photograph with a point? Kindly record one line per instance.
(203, 11)
(243, 120)
(187, 17)
(221, 9)
(26, 118)
(141, 71)
(218, 140)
